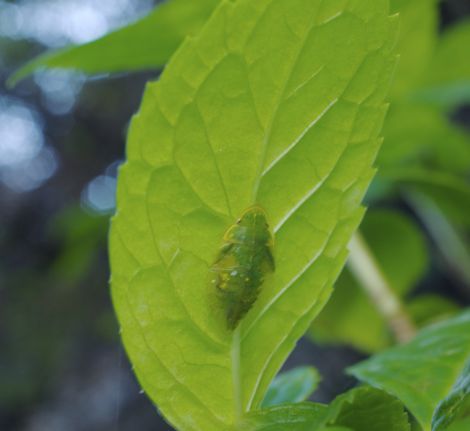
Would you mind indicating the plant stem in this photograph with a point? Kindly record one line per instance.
(367, 271)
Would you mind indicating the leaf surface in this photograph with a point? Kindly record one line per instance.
(422, 373)
(455, 407)
(368, 409)
(293, 386)
(278, 103)
(360, 409)
(416, 43)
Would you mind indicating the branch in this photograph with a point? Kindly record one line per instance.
(367, 271)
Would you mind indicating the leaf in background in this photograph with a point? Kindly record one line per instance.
(292, 386)
(420, 373)
(420, 136)
(368, 409)
(418, 34)
(146, 44)
(447, 81)
(350, 316)
(448, 238)
(451, 193)
(456, 407)
(431, 308)
(275, 102)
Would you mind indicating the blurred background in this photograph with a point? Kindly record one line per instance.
(62, 138)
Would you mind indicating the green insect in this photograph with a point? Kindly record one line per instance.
(243, 263)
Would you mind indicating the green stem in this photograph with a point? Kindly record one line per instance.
(367, 271)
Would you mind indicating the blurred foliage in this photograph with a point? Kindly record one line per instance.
(422, 372)
(424, 153)
(56, 303)
(350, 316)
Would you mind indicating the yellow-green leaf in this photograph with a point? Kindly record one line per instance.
(278, 103)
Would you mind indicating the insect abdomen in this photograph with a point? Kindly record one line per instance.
(242, 264)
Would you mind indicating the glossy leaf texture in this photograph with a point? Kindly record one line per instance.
(292, 386)
(146, 44)
(278, 103)
(422, 373)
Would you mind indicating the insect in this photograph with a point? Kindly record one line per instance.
(242, 264)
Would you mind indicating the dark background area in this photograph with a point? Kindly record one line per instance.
(61, 139)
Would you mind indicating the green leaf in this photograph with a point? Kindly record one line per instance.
(276, 102)
(431, 308)
(447, 81)
(416, 45)
(350, 316)
(420, 135)
(450, 192)
(292, 417)
(368, 409)
(146, 44)
(292, 386)
(456, 407)
(360, 409)
(460, 426)
(422, 372)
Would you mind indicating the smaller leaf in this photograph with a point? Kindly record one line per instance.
(368, 409)
(292, 386)
(421, 372)
(456, 407)
(145, 44)
(360, 409)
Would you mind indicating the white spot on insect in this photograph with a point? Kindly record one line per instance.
(234, 273)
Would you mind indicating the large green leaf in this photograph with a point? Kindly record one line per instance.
(146, 44)
(350, 316)
(276, 102)
(293, 386)
(422, 373)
